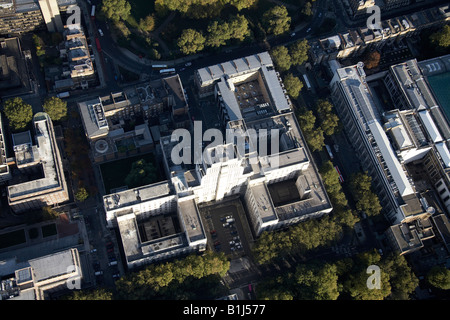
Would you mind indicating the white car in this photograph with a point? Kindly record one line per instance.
(293, 34)
(309, 29)
(101, 32)
(188, 64)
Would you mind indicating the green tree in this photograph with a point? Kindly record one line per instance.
(317, 282)
(218, 34)
(116, 10)
(439, 277)
(356, 279)
(299, 52)
(191, 41)
(141, 173)
(239, 29)
(281, 58)
(402, 279)
(315, 139)
(274, 288)
(121, 29)
(329, 120)
(147, 24)
(242, 4)
(55, 108)
(96, 294)
(155, 279)
(18, 112)
(307, 9)
(366, 200)
(293, 85)
(307, 121)
(330, 179)
(81, 194)
(442, 37)
(277, 20)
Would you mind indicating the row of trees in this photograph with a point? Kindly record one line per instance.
(20, 113)
(316, 128)
(294, 55)
(343, 279)
(219, 33)
(169, 280)
(200, 9)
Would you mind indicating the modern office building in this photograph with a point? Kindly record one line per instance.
(364, 126)
(425, 138)
(43, 159)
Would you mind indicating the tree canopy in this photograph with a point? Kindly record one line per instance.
(293, 85)
(220, 32)
(141, 173)
(81, 194)
(329, 121)
(191, 41)
(313, 134)
(299, 52)
(441, 38)
(116, 9)
(155, 279)
(366, 200)
(439, 277)
(281, 58)
(18, 112)
(372, 59)
(276, 20)
(55, 108)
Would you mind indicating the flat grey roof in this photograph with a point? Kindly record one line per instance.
(52, 265)
(91, 126)
(137, 195)
(46, 153)
(192, 222)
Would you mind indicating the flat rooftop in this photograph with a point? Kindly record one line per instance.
(137, 195)
(47, 155)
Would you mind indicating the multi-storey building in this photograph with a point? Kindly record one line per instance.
(105, 119)
(5, 173)
(264, 162)
(405, 151)
(155, 224)
(76, 51)
(43, 159)
(356, 41)
(19, 16)
(363, 123)
(36, 278)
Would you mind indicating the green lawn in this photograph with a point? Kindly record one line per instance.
(115, 172)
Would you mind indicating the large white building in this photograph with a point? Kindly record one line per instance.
(266, 164)
(44, 156)
(154, 223)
